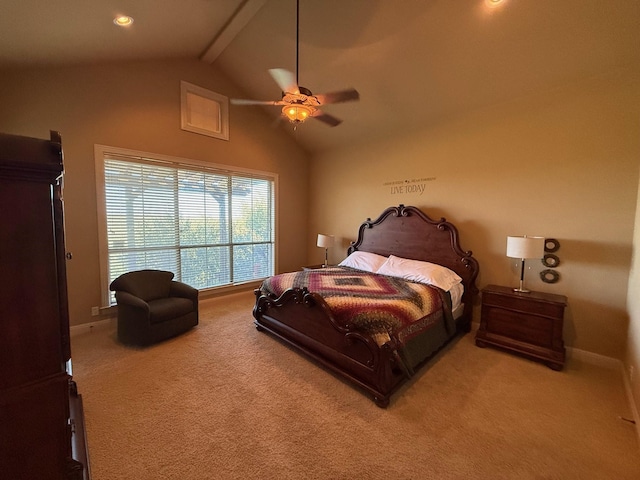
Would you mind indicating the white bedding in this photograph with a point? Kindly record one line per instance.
(456, 295)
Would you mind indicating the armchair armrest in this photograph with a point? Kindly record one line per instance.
(179, 289)
(127, 299)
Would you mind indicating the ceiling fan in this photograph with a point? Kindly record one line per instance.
(298, 103)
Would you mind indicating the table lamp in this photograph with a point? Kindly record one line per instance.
(325, 241)
(524, 247)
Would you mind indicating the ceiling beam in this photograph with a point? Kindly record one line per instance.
(243, 14)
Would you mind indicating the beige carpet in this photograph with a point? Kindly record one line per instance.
(225, 401)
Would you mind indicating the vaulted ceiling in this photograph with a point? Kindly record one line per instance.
(414, 62)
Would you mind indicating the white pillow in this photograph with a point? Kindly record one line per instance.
(367, 261)
(423, 272)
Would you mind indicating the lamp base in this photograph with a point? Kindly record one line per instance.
(521, 290)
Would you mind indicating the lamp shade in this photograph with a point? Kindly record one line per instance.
(325, 241)
(296, 113)
(525, 247)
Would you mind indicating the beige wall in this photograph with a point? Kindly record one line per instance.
(632, 358)
(561, 164)
(137, 106)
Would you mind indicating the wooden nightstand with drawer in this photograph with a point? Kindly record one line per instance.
(313, 267)
(529, 324)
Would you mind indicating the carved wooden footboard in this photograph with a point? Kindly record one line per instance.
(304, 320)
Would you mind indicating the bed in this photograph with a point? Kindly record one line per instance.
(309, 311)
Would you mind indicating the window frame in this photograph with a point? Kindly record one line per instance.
(174, 162)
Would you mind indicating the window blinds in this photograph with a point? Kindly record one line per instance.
(210, 227)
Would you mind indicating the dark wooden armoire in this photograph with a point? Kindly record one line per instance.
(41, 419)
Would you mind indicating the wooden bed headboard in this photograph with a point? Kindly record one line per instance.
(409, 233)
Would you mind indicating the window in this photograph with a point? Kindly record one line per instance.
(212, 227)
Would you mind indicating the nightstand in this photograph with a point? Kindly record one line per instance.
(529, 324)
(313, 267)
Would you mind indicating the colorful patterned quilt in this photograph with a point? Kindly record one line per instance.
(385, 307)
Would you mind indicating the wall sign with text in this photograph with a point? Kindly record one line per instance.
(409, 186)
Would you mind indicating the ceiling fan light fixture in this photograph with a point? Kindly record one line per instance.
(297, 113)
(123, 20)
(298, 103)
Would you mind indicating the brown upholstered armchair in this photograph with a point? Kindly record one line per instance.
(153, 307)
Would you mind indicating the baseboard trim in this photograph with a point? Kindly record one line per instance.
(87, 327)
(593, 358)
(614, 364)
(631, 400)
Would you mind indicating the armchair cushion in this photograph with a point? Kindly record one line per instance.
(163, 309)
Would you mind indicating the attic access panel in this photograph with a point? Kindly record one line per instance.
(203, 111)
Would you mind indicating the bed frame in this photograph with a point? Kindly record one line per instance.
(304, 320)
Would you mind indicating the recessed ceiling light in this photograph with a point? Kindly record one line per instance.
(123, 20)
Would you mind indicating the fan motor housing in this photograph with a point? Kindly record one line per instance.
(304, 97)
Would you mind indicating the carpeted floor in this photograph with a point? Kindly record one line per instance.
(225, 401)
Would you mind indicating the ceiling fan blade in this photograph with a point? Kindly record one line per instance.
(285, 80)
(242, 101)
(348, 95)
(326, 118)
